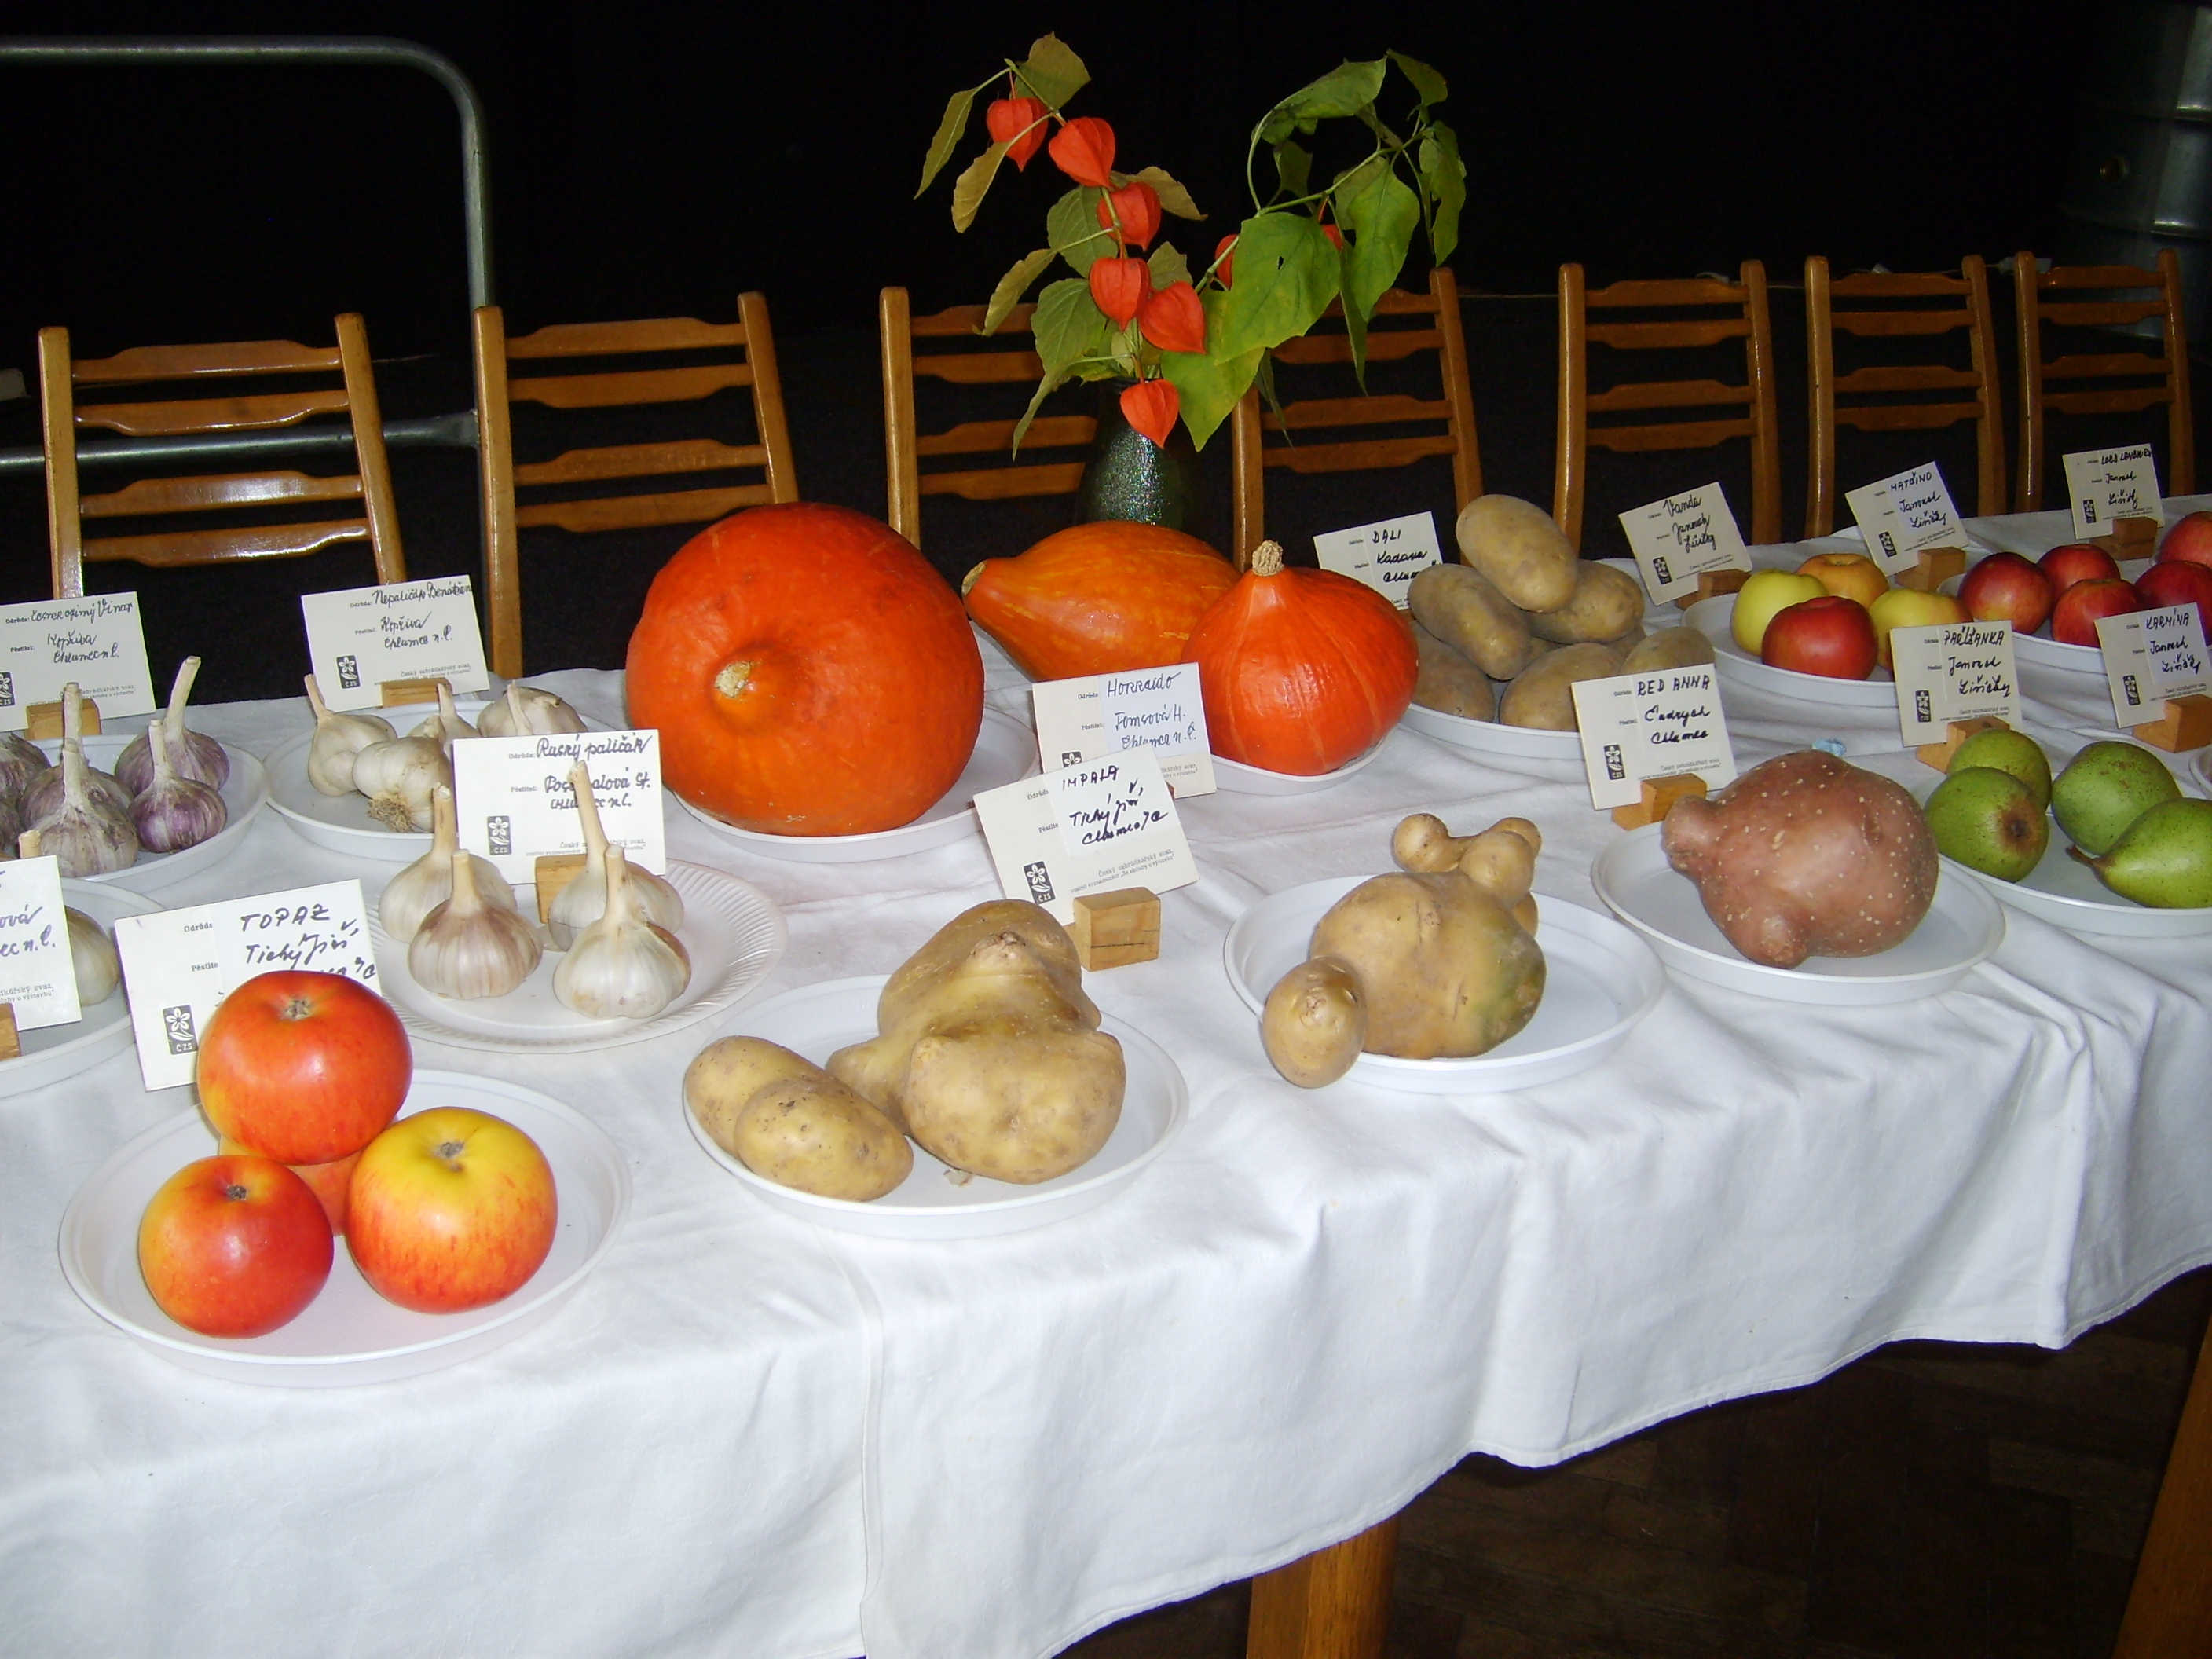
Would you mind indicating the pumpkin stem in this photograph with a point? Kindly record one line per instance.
(732, 679)
(1267, 559)
(968, 580)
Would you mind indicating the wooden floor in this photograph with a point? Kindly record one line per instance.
(1953, 1501)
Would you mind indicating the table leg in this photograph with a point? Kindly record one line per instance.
(1333, 1604)
(2169, 1613)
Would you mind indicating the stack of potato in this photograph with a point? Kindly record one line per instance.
(1505, 635)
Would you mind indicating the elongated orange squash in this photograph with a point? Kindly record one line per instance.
(1098, 598)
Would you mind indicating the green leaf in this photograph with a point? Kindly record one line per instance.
(1209, 386)
(1013, 286)
(1293, 169)
(1355, 318)
(969, 189)
(1381, 212)
(948, 131)
(1073, 228)
(1173, 196)
(1167, 266)
(1345, 90)
(1274, 127)
(1445, 175)
(1051, 383)
(1286, 274)
(1051, 71)
(1428, 85)
(1069, 325)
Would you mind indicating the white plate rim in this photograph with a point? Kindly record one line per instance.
(1735, 664)
(81, 1053)
(1238, 778)
(1494, 737)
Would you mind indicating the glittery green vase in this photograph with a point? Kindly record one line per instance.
(1130, 476)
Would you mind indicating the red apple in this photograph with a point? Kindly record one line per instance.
(2073, 622)
(451, 1209)
(233, 1246)
(2178, 581)
(2191, 540)
(305, 1068)
(1830, 636)
(329, 1181)
(2077, 561)
(2005, 587)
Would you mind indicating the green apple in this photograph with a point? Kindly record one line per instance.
(1763, 596)
(1989, 821)
(2009, 752)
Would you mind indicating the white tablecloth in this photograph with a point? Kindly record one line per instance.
(747, 1437)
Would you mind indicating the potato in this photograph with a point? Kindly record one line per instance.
(1606, 604)
(1540, 697)
(1465, 611)
(990, 1053)
(1449, 683)
(1315, 1022)
(1670, 648)
(1516, 546)
(789, 1121)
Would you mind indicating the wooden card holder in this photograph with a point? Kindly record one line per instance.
(1938, 755)
(1659, 794)
(555, 871)
(2186, 724)
(44, 720)
(1111, 930)
(402, 694)
(1712, 583)
(1937, 566)
(2129, 538)
(11, 1043)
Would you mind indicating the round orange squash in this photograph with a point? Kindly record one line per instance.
(808, 672)
(1098, 598)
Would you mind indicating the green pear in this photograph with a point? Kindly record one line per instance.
(2164, 859)
(2106, 788)
(1989, 821)
(2009, 752)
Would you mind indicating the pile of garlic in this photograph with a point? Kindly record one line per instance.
(360, 753)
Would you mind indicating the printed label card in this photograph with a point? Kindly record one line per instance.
(359, 637)
(2104, 484)
(179, 965)
(97, 640)
(1091, 828)
(1952, 671)
(38, 973)
(1101, 714)
(1683, 537)
(514, 803)
(1387, 554)
(2152, 655)
(1659, 725)
(1901, 516)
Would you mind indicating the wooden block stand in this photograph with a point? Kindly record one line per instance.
(2129, 538)
(43, 721)
(1111, 930)
(1659, 794)
(554, 870)
(2186, 724)
(404, 694)
(1938, 755)
(1937, 565)
(1714, 582)
(11, 1041)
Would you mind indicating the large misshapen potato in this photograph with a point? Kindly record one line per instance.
(1464, 609)
(990, 1053)
(789, 1121)
(1607, 605)
(1517, 546)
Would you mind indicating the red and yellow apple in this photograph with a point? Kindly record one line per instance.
(1831, 635)
(305, 1068)
(2178, 581)
(2077, 561)
(1911, 607)
(2074, 619)
(451, 1209)
(1764, 593)
(233, 1246)
(328, 1182)
(2190, 539)
(1849, 576)
(2005, 587)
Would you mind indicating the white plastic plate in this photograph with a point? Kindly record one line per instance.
(818, 1020)
(1494, 740)
(244, 793)
(349, 1335)
(1600, 978)
(1714, 618)
(1960, 931)
(1005, 752)
(342, 822)
(1235, 778)
(733, 931)
(54, 1052)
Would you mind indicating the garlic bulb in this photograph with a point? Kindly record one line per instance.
(43, 794)
(92, 955)
(468, 948)
(576, 906)
(86, 834)
(21, 762)
(622, 967)
(442, 727)
(397, 777)
(428, 882)
(174, 811)
(11, 826)
(527, 712)
(194, 755)
(338, 740)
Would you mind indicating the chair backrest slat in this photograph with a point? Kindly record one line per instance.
(219, 490)
(625, 387)
(185, 363)
(983, 437)
(618, 339)
(257, 413)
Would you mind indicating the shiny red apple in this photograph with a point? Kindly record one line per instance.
(233, 1246)
(2191, 540)
(1831, 635)
(2005, 587)
(2077, 561)
(451, 1209)
(2178, 581)
(305, 1068)
(2074, 619)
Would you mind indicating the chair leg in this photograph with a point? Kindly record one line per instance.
(1333, 1604)
(2169, 1615)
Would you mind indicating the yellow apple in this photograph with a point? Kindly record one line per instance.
(450, 1209)
(1849, 576)
(1766, 593)
(1908, 607)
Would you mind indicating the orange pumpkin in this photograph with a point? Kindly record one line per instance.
(1302, 670)
(809, 673)
(1098, 598)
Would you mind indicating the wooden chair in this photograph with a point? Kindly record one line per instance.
(1001, 359)
(1744, 304)
(2169, 371)
(1252, 455)
(576, 385)
(259, 409)
(1971, 287)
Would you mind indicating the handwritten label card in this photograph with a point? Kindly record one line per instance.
(37, 975)
(514, 802)
(1659, 725)
(359, 637)
(1682, 539)
(1952, 671)
(179, 965)
(98, 641)
(2152, 655)
(1086, 828)
(1387, 555)
(1901, 516)
(1101, 714)
(2104, 484)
